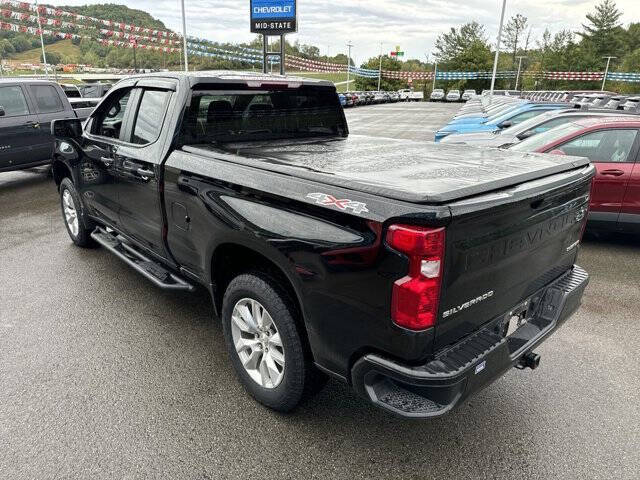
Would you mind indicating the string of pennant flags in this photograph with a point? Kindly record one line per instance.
(67, 35)
(56, 22)
(124, 35)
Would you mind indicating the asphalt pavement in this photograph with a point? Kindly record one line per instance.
(103, 376)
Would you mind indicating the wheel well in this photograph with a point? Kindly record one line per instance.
(231, 260)
(60, 171)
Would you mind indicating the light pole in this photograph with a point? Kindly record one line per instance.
(184, 38)
(349, 44)
(520, 57)
(495, 60)
(435, 74)
(380, 68)
(606, 72)
(44, 55)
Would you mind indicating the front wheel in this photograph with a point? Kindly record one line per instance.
(265, 343)
(72, 215)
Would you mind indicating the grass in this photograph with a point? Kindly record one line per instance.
(63, 47)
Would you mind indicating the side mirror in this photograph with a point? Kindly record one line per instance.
(2, 112)
(67, 128)
(557, 151)
(505, 124)
(527, 134)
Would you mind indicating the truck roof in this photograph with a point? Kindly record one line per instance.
(231, 76)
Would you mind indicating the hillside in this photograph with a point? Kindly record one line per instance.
(117, 13)
(62, 47)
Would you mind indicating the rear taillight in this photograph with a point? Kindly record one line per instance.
(415, 298)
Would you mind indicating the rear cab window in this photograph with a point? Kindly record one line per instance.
(219, 116)
(13, 101)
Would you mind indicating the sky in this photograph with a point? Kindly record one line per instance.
(411, 24)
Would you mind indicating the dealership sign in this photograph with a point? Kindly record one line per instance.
(273, 17)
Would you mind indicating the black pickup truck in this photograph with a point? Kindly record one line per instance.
(27, 108)
(417, 273)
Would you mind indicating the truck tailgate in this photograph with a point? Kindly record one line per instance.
(504, 247)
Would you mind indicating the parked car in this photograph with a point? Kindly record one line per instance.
(314, 265)
(468, 94)
(453, 96)
(632, 104)
(528, 128)
(500, 120)
(343, 99)
(612, 144)
(27, 108)
(615, 102)
(437, 95)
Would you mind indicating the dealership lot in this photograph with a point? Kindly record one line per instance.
(104, 376)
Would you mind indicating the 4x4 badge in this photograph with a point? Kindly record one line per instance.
(340, 204)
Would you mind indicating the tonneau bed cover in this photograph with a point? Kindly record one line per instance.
(416, 172)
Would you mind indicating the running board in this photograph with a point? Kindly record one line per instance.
(148, 268)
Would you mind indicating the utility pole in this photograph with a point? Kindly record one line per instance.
(44, 55)
(349, 44)
(520, 57)
(606, 72)
(435, 74)
(495, 60)
(184, 38)
(380, 68)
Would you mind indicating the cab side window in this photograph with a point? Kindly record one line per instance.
(604, 146)
(13, 101)
(108, 120)
(47, 98)
(150, 116)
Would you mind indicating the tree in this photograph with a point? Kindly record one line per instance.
(513, 33)
(604, 30)
(451, 44)
(389, 84)
(53, 58)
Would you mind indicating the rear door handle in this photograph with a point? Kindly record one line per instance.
(612, 172)
(107, 161)
(146, 174)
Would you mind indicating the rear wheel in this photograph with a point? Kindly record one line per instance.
(265, 343)
(72, 214)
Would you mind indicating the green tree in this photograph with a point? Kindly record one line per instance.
(513, 35)
(53, 58)
(388, 63)
(451, 44)
(603, 29)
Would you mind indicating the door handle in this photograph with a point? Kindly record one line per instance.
(145, 174)
(107, 161)
(612, 172)
(33, 124)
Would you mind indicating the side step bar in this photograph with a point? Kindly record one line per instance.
(148, 268)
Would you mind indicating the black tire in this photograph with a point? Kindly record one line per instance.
(83, 237)
(300, 377)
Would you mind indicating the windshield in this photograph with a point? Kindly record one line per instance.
(528, 124)
(532, 144)
(218, 116)
(503, 111)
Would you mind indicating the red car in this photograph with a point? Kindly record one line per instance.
(612, 144)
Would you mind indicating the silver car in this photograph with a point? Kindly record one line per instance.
(437, 95)
(453, 96)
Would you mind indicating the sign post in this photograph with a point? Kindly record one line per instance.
(273, 18)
